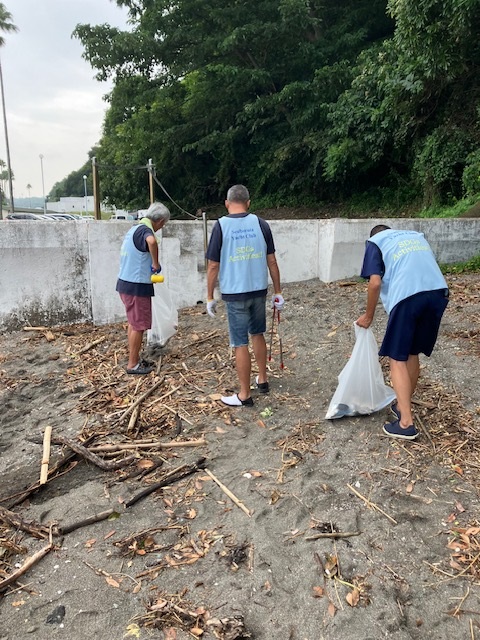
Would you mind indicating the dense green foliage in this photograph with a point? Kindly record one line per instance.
(302, 100)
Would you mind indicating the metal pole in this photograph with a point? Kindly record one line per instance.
(85, 191)
(43, 185)
(150, 167)
(7, 146)
(96, 190)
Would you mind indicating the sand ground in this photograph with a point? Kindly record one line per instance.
(186, 561)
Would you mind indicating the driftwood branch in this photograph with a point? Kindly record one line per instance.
(33, 528)
(46, 454)
(17, 498)
(98, 517)
(91, 457)
(176, 474)
(139, 400)
(371, 504)
(25, 567)
(91, 345)
(334, 534)
(108, 448)
(228, 493)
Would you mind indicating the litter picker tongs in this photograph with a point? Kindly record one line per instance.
(276, 314)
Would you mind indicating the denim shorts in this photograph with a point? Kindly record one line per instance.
(245, 317)
(413, 325)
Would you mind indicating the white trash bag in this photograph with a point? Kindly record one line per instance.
(361, 389)
(164, 317)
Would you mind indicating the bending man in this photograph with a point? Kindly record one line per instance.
(402, 270)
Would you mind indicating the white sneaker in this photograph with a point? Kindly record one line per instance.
(234, 401)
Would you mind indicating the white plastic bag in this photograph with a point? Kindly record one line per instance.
(361, 389)
(164, 317)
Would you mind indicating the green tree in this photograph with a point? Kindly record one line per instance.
(219, 93)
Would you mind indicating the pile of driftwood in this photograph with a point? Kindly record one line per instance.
(136, 429)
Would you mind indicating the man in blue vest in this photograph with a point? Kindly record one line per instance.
(403, 272)
(240, 255)
(138, 260)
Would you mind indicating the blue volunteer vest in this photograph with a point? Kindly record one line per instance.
(243, 257)
(135, 265)
(410, 266)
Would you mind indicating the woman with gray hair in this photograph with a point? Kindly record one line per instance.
(138, 261)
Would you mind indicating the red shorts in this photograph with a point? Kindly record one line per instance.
(139, 311)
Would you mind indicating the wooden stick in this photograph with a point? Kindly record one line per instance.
(46, 454)
(425, 431)
(97, 517)
(17, 498)
(25, 567)
(334, 534)
(133, 418)
(91, 457)
(228, 493)
(33, 528)
(170, 478)
(427, 405)
(371, 504)
(139, 400)
(148, 445)
(35, 328)
(91, 345)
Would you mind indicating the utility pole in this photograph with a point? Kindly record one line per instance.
(96, 190)
(151, 169)
(43, 186)
(7, 146)
(85, 193)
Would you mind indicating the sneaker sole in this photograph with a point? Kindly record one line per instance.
(399, 436)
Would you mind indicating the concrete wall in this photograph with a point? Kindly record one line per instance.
(53, 273)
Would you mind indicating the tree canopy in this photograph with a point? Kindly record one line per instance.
(302, 100)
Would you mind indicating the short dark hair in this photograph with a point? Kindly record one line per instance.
(378, 228)
(238, 193)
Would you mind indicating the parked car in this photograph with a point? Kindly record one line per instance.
(61, 216)
(122, 216)
(26, 216)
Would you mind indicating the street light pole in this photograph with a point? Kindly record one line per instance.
(9, 165)
(43, 185)
(85, 192)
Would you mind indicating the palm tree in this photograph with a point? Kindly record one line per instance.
(6, 26)
(29, 188)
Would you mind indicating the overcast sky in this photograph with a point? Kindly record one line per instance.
(54, 105)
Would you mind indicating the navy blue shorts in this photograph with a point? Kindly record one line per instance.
(413, 325)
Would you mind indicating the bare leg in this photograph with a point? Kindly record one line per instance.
(413, 366)
(135, 339)
(243, 365)
(404, 375)
(260, 351)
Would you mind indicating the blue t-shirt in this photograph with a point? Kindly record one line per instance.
(140, 236)
(215, 247)
(372, 261)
